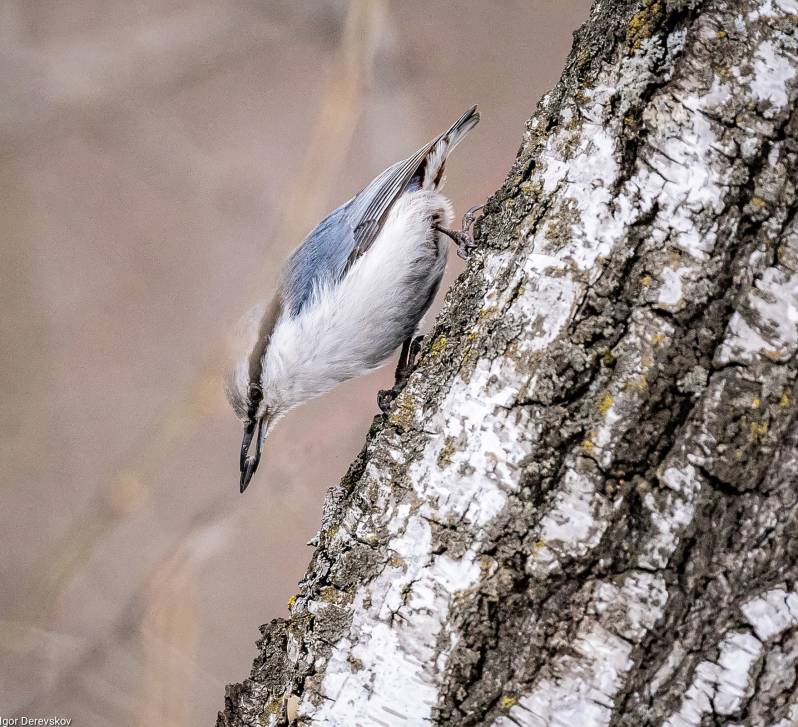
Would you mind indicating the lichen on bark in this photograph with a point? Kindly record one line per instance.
(582, 508)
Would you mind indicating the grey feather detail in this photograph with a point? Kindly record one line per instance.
(370, 207)
(347, 233)
(457, 131)
(321, 257)
(265, 328)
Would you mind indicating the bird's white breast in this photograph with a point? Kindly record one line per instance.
(352, 326)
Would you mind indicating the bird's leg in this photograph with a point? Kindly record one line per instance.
(402, 363)
(463, 237)
(407, 362)
(415, 347)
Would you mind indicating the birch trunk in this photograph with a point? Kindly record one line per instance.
(583, 509)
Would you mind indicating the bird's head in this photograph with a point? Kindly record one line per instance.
(245, 385)
(255, 416)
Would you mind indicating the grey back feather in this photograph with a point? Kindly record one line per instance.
(321, 257)
(349, 231)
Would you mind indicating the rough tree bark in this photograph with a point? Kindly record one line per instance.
(583, 509)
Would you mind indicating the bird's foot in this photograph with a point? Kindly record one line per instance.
(407, 362)
(470, 216)
(385, 398)
(463, 237)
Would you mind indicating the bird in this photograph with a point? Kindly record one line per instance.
(353, 291)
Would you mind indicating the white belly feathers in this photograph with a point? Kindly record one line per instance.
(354, 325)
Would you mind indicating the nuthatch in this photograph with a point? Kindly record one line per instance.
(350, 294)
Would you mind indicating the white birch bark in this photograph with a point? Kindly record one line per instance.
(583, 508)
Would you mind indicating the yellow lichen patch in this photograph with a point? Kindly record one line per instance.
(720, 35)
(537, 545)
(784, 400)
(645, 281)
(273, 707)
(642, 23)
(759, 429)
(445, 455)
(675, 258)
(472, 336)
(756, 402)
(331, 595)
(396, 561)
(487, 565)
(657, 338)
(607, 358)
(725, 74)
(758, 202)
(436, 349)
(638, 383)
(507, 701)
(629, 120)
(588, 444)
(404, 411)
(291, 601)
(468, 363)
(605, 403)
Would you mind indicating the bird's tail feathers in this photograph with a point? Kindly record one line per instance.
(457, 131)
(435, 161)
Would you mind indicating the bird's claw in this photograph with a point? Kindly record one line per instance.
(463, 237)
(385, 398)
(470, 216)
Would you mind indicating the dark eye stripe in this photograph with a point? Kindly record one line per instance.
(265, 330)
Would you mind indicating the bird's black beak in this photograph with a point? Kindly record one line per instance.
(250, 464)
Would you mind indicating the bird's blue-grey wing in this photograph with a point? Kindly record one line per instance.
(348, 232)
(321, 257)
(344, 235)
(369, 208)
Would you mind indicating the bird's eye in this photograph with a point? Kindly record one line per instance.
(255, 392)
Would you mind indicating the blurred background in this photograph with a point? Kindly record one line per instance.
(158, 161)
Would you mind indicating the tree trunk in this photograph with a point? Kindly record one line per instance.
(583, 508)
